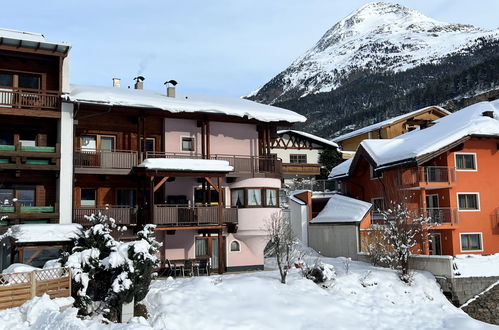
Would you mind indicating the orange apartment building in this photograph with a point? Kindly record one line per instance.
(448, 171)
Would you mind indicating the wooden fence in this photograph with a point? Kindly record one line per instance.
(17, 288)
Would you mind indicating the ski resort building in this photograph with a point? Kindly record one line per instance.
(389, 128)
(447, 172)
(198, 167)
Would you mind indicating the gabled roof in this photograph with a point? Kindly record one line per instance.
(387, 122)
(342, 209)
(481, 119)
(139, 98)
(314, 138)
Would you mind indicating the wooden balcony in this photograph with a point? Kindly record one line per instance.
(439, 216)
(123, 215)
(185, 216)
(30, 102)
(18, 214)
(301, 169)
(426, 177)
(244, 166)
(104, 162)
(19, 157)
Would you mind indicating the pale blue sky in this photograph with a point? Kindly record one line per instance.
(224, 47)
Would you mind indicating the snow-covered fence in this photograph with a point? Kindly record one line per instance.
(17, 288)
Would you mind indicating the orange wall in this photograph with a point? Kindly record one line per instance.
(484, 181)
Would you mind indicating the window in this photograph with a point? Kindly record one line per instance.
(468, 201)
(465, 162)
(6, 197)
(98, 142)
(150, 144)
(89, 142)
(254, 197)
(235, 246)
(201, 248)
(471, 242)
(375, 174)
(29, 81)
(378, 204)
(28, 139)
(6, 80)
(24, 195)
(88, 197)
(187, 144)
(199, 196)
(271, 197)
(298, 159)
(126, 197)
(237, 198)
(107, 143)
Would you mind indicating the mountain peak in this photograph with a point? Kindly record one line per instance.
(378, 37)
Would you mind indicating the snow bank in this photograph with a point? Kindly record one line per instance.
(45, 232)
(19, 268)
(192, 103)
(340, 208)
(176, 164)
(469, 265)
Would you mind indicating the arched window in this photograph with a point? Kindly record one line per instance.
(235, 246)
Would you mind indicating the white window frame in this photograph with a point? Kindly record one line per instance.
(239, 244)
(371, 172)
(193, 143)
(468, 193)
(465, 153)
(461, 242)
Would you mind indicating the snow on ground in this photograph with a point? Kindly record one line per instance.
(469, 265)
(366, 298)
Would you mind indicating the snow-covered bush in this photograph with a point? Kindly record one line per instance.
(106, 272)
(403, 233)
(281, 241)
(321, 273)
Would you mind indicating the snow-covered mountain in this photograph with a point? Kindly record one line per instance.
(377, 38)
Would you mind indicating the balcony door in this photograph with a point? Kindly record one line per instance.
(432, 208)
(207, 247)
(435, 244)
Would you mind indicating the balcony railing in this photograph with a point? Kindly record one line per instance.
(313, 185)
(175, 215)
(123, 215)
(243, 165)
(301, 169)
(19, 156)
(33, 99)
(108, 160)
(442, 215)
(426, 176)
(17, 213)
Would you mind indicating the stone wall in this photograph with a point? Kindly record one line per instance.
(462, 289)
(486, 307)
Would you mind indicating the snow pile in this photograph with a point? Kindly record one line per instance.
(19, 268)
(182, 103)
(44, 232)
(340, 208)
(177, 164)
(364, 297)
(470, 265)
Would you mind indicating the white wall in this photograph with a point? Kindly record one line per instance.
(65, 75)
(312, 155)
(298, 214)
(65, 181)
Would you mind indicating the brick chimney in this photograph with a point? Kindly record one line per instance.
(117, 82)
(139, 82)
(170, 90)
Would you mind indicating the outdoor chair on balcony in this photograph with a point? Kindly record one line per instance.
(188, 267)
(177, 266)
(203, 266)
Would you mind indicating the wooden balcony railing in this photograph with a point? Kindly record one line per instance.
(175, 215)
(253, 166)
(123, 215)
(29, 157)
(17, 213)
(301, 169)
(33, 99)
(426, 176)
(101, 159)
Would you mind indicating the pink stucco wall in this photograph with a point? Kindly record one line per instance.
(225, 138)
(180, 245)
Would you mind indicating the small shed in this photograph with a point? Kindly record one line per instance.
(34, 244)
(334, 232)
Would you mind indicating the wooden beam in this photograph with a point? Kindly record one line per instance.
(161, 227)
(161, 182)
(212, 184)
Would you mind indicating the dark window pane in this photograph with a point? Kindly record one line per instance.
(29, 81)
(126, 197)
(88, 197)
(187, 144)
(6, 196)
(6, 79)
(150, 144)
(26, 197)
(6, 137)
(298, 159)
(201, 248)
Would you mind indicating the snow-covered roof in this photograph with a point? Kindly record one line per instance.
(292, 196)
(186, 165)
(415, 145)
(341, 169)
(30, 40)
(230, 106)
(383, 123)
(342, 209)
(310, 136)
(44, 232)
